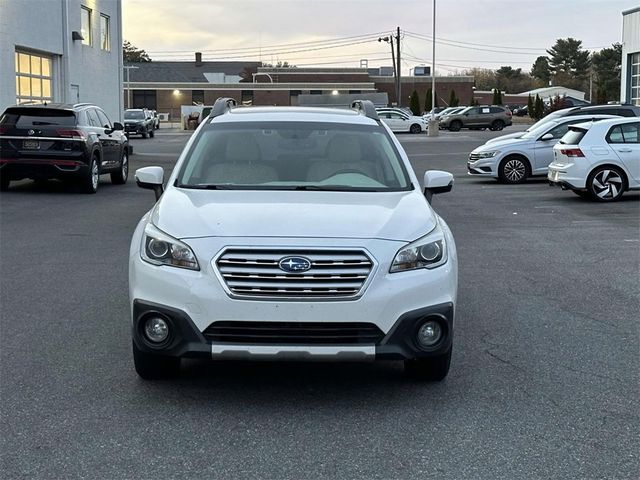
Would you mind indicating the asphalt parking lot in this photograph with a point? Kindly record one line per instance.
(544, 380)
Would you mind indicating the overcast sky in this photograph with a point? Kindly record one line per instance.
(472, 33)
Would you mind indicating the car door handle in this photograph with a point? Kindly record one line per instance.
(624, 150)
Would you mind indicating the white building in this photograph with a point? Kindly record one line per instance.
(630, 74)
(61, 51)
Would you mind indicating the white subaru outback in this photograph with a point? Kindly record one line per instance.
(293, 233)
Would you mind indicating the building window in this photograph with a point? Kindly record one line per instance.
(105, 35)
(85, 25)
(144, 99)
(634, 68)
(197, 97)
(33, 78)
(315, 92)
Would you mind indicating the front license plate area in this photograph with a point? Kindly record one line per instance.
(31, 145)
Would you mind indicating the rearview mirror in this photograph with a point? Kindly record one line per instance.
(151, 178)
(546, 136)
(437, 181)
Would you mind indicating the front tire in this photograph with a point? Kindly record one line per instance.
(513, 170)
(497, 125)
(415, 128)
(154, 367)
(152, 133)
(91, 179)
(606, 184)
(145, 135)
(120, 177)
(431, 369)
(455, 126)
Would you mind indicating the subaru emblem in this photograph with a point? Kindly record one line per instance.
(31, 132)
(294, 264)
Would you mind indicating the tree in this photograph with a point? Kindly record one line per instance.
(427, 101)
(131, 54)
(280, 64)
(538, 108)
(497, 97)
(414, 103)
(568, 63)
(530, 107)
(484, 78)
(453, 100)
(557, 103)
(606, 66)
(540, 70)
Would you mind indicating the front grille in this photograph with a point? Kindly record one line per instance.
(293, 333)
(256, 273)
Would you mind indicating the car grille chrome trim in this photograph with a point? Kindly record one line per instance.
(254, 272)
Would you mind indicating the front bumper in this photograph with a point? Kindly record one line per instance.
(186, 340)
(487, 167)
(134, 129)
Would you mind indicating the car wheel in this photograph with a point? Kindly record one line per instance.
(455, 126)
(4, 182)
(145, 135)
(513, 170)
(497, 125)
(152, 133)
(120, 177)
(154, 367)
(415, 128)
(431, 369)
(91, 179)
(606, 184)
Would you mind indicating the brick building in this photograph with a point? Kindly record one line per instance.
(166, 86)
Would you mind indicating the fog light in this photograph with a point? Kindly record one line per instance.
(429, 333)
(156, 329)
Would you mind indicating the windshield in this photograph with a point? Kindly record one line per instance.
(131, 115)
(539, 128)
(294, 156)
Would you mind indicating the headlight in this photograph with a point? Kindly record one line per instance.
(159, 248)
(486, 154)
(429, 251)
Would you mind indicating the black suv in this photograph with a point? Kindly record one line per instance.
(67, 142)
(139, 121)
(622, 110)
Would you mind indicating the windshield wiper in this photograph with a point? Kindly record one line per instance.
(203, 186)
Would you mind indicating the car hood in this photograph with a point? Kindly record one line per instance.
(506, 143)
(402, 216)
(505, 137)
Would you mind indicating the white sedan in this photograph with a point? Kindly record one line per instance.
(513, 160)
(401, 122)
(600, 160)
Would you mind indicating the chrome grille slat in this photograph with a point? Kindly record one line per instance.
(336, 273)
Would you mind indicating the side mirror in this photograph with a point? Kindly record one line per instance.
(151, 178)
(118, 126)
(546, 136)
(437, 181)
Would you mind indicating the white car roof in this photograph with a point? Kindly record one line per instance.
(294, 114)
(605, 124)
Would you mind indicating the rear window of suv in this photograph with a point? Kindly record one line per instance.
(28, 118)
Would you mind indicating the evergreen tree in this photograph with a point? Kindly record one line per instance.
(414, 103)
(427, 102)
(538, 108)
(497, 97)
(540, 70)
(530, 107)
(131, 54)
(453, 100)
(606, 65)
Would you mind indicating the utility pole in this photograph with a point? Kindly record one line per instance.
(398, 74)
(434, 129)
(389, 40)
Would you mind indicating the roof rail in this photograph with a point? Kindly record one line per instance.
(83, 104)
(221, 106)
(365, 107)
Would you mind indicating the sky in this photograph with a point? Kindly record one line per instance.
(341, 33)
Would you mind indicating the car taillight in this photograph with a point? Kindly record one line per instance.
(572, 152)
(78, 134)
(4, 130)
(509, 113)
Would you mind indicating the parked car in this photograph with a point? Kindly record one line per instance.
(493, 117)
(138, 121)
(434, 111)
(448, 111)
(204, 114)
(516, 159)
(623, 110)
(401, 122)
(77, 143)
(601, 160)
(287, 232)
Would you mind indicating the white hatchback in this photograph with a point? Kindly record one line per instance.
(399, 121)
(601, 160)
(293, 233)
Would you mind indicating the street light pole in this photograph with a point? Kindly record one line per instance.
(434, 130)
(127, 68)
